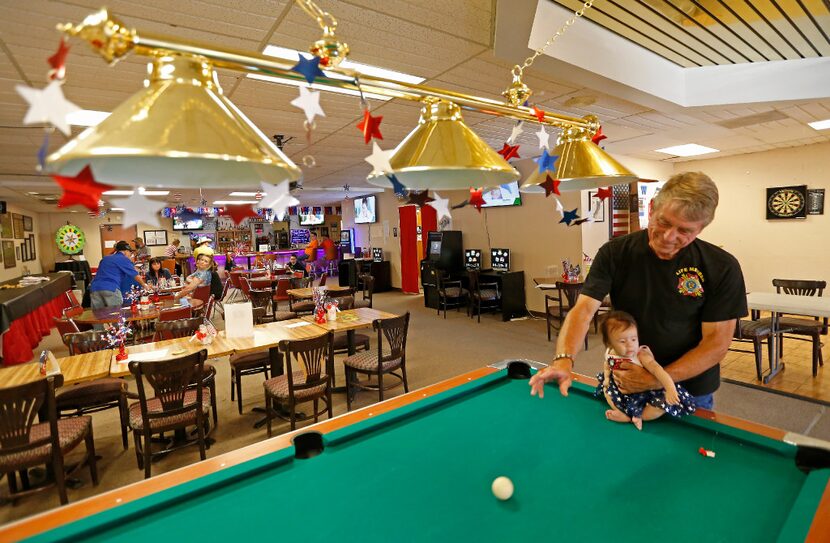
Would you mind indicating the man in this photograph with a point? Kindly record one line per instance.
(296, 266)
(203, 248)
(114, 269)
(310, 251)
(170, 250)
(329, 248)
(684, 293)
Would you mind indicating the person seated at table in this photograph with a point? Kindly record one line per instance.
(200, 277)
(230, 265)
(310, 252)
(294, 265)
(619, 334)
(170, 252)
(203, 248)
(156, 275)
(142, 252)
(113, 271)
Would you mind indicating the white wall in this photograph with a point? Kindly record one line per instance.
(33, 266)
(375, 234)
(784, 249)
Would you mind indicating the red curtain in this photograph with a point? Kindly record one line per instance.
(410, 267)
(429, 223)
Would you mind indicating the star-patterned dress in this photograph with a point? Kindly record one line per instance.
(633, 404)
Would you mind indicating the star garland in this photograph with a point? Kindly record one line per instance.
(509, 151)
(476, 198)
(81, 190)
(309, 68)
(370, 126)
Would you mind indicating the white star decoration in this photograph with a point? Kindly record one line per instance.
(47, 105)
(309, 102)
(515, 133)
(441, 206)
(559, 207)
(544, 138)
(138, 208)
(379, 159)
(278, 198)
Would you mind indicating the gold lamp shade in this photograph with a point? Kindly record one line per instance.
(444, 153)
(581, 165)
(180, 131)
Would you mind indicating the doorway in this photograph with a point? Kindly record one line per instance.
(113, 233)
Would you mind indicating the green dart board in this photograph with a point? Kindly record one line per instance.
(70, 239)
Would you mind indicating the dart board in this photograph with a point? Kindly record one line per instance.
(787, 202)
(70, 239)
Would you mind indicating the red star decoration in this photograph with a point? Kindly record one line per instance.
(81, 190)
(539, 114)
(599, 136)
(551, 186)
(476, 199)
(509, 151)
(57, 61)
(239, 212)
(604, 193)
(370, 126)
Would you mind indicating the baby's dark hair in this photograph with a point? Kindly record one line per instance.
(615, 320)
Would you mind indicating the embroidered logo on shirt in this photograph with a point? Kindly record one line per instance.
(690, 282)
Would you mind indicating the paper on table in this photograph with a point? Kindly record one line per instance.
(149, 355)
(297, 324)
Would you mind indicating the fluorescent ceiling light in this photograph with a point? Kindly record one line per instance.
(116, 209)
(821, 125)
(86, 117)
(141, 190)
(689, 149)
(238, 193)
(232, 202)
(367, 69)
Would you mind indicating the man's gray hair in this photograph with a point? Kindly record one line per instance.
(692, 194)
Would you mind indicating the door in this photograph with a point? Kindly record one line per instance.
(113, 233)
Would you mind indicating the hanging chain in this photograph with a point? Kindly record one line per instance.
(517, 70)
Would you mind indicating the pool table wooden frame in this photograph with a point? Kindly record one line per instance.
(48, 520)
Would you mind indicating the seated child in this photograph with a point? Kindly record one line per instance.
(619, 333)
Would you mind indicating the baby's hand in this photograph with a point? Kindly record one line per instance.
(672, 397)
(645, 353)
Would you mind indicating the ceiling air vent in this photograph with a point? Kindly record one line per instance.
(749, 120)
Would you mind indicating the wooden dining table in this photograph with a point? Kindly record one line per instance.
(75, 369)
(308, 292)
(107, 315)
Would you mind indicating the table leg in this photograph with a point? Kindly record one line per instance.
(775, 365)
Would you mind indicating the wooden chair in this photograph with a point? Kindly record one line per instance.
(482, 295)
(813, 327)
(389, 356)
(281, 292)
(368, 292)
(557, 306)
(450, 292)
(309, 367)
(175, 405)
(260, 283)
(175, 313)
(263, 299)
(300, 305)
(756, 332)
(25, 444)
(169, 264)
(345, 301)
(185, 328)
(251, 363)
(93, 396)
(323, 279)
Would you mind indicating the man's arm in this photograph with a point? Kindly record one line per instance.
(141, 282)
(717, 336)
(570, 340)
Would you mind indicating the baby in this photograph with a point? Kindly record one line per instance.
(619, 333)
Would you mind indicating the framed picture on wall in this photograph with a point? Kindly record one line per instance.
(16, 253)
(28, 224)
(24, 251)
(8, 254)
(154, 238)
(6, 225)
(17, 225)
(596, 207)
(32, 250)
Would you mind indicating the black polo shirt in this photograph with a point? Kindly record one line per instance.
(670, 298)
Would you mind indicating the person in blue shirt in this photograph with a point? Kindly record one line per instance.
(113, 271)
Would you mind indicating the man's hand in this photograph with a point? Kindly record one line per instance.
(631, 378)
(560, 371)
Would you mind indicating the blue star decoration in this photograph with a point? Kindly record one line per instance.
(309, 68)
(41, 153)
(397, 186)
(569, 217)
(546, 161)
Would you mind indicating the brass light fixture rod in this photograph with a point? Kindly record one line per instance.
(113, 40)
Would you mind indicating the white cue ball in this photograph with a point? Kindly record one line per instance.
(502, 488)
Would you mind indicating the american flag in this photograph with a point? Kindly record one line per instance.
(619, 212)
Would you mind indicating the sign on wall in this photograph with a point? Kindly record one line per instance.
(815, 202)
(787, 202)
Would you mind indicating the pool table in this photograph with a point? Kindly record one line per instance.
(419, 468)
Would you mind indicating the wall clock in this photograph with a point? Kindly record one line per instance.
(787, 202)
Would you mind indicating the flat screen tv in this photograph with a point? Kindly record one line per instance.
(310, 218)
(299, 237)
(503, 195)
(189, 223)
(365, 210)
(472, 259)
